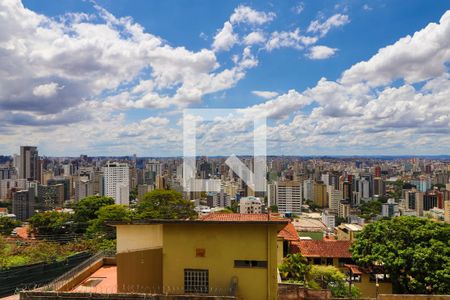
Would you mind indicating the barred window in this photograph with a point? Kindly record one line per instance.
(196, 281)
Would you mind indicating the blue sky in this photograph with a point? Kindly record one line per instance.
(142, 62)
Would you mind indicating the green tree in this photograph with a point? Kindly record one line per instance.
(370, 209)
(86, 209)
(440, 186)
(274, 208)
(340, 220)
(312, 206)
(133, 194)
(99, 227)
(44, 252)
(7, 225)
(50, 223)
(414, 251)
(294, 268)
(165, 204)
(329, 277)
(234, 206)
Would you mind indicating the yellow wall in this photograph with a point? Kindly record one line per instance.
(138, 237)
(279, 251)
(223, 244)
(341, 235)
(139, 271)
(368, 288)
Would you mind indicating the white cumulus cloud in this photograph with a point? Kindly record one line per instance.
(245, 14)
(321, 52)
(225, 38)
(46, 90)
(265, 94)
(322, 28)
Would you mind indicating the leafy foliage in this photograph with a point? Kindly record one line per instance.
(114, 212)
(16, 254)
(296, 268)
(414, 251)
(86, 209)
(51, 223)
(370, 209)
(274, 208)
(7, 225)
(165, 204)
(329, 277)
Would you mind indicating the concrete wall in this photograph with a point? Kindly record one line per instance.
(98, 296)
(138, 237)
(369, 289)
(139, 271)
(292, 291)
(223, 243)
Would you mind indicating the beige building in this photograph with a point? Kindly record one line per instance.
(289, 196)
(344, 209)
(334, 199)
(347, 232)
(250, 205)
(447, 211)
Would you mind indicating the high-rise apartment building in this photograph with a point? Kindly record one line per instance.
(320, 194)
(334, 199)
(29, 165)
(308, 189)
(116, 181)
(378, 186)
(50, 196)
(289, 196)
(83, 188)
(23, 204)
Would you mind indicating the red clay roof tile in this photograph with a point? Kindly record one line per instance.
(234, 217)
(289, 233)
(322, 248)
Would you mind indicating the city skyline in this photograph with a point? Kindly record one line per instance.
(341, 78)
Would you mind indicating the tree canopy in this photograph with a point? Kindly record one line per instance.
(165, 204)
(86, 209)
(414, 251)
(114, 212)
(296, 268)
(7, 225)
(51, 223)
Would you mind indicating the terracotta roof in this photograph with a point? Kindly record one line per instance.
(22, 232)
(354, 269)
(219, 218)
(289, 233)
(3, 209)
(322, 248)
(224, 217)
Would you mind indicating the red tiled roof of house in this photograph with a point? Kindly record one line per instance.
(22, 232)
(289, 233)
(322, 248)
(3, 210)
(224, 217)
